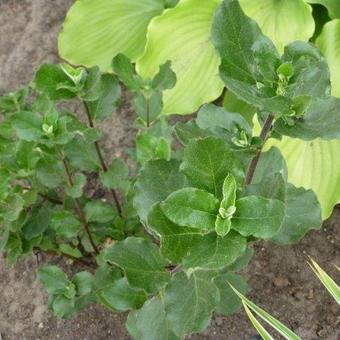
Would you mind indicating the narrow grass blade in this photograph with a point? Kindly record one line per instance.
(277, 325)
(261, 330)
(326, 280)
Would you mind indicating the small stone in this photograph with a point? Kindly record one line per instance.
(219, 321)
(281, 282)
(41, 325)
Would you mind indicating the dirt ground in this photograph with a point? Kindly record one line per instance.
(280, 279)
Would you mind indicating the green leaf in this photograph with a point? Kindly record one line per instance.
(249, 60)
(282, 21)
(193, 57)
(62, 307)
(79, 182)
(230, 303)
(222, 226)
(185, 132)
(52, 79)
(125, 71)
(117, 176)
(320, 120)
(108, 97)
(214, 252)
(242, 262)
(329, 44)
(229, 192)
(94, 32)
(98, 211)
(151, 322)
(333, 6)
(326, 280)
(50, 174)
(258, 216)
(65, 224)
(190, 301)
(37, 223)
(176, 241)
(28, 125)
(190, 207)
(303, 213)
(119, 295)
(141, 261)
(155, 182)
(83, 282)
(207, 162)
(165, 79)
(53, 279)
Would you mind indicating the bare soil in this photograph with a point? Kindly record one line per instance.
(280, 280)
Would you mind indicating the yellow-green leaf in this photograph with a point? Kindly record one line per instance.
(95, 31)
(182, 35)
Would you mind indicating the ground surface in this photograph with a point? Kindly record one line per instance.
(280, 280)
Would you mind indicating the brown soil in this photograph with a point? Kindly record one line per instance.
(280, 279)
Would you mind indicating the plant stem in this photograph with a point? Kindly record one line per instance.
(147, 112)
(102, 161)
(263, 135)
(79, 208)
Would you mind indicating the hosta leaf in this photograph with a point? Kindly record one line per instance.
(214, 252)
(230, 303)
(119, 295)
(155, 182)
(190, 207)
(95, 31)
(190, 301)
(283, 21)
(313, 165)
(329, 44)
(333, 6)
(258, 216)
(303, 213)
(141, 261)
(207, 162)
(189, 48)
(176, 241)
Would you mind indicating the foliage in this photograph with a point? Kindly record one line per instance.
(179, 222)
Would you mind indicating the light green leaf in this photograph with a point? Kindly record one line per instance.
(95, 31)
(28, 125)
(65, 224)
(207, 162)
(333, 6)
(165, 79)
(71, 251)
(141, 261)
(329, 44)
(190, 207)
(229, 192)
(176, 241)
(326, 280)
(190, 301)
(310, 165)
(277, 325)
(214, 252)
(155, 182)
(258, 216)
(222, 226)
(119, 295)
(303, 213)
(98, 211)
(189, 48)
(230, 303)
(282, 21)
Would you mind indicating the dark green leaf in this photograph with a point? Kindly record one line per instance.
(185, 132)
(165, 79)
(98, 211)
(124, 69)
(65, 224)
(214, 252)
(258, 216)
(176, 241)
(190, 301)
(141, 261)
(241, 262)
(83, 282)
(117, 176)
(190, 207)
(62, 307)
(207, 162)
(50, 174)
(28, 125)
(303, 213)
(230, 303)
(79, 182)
(155, 182)
(37, 223)
(54, 280)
